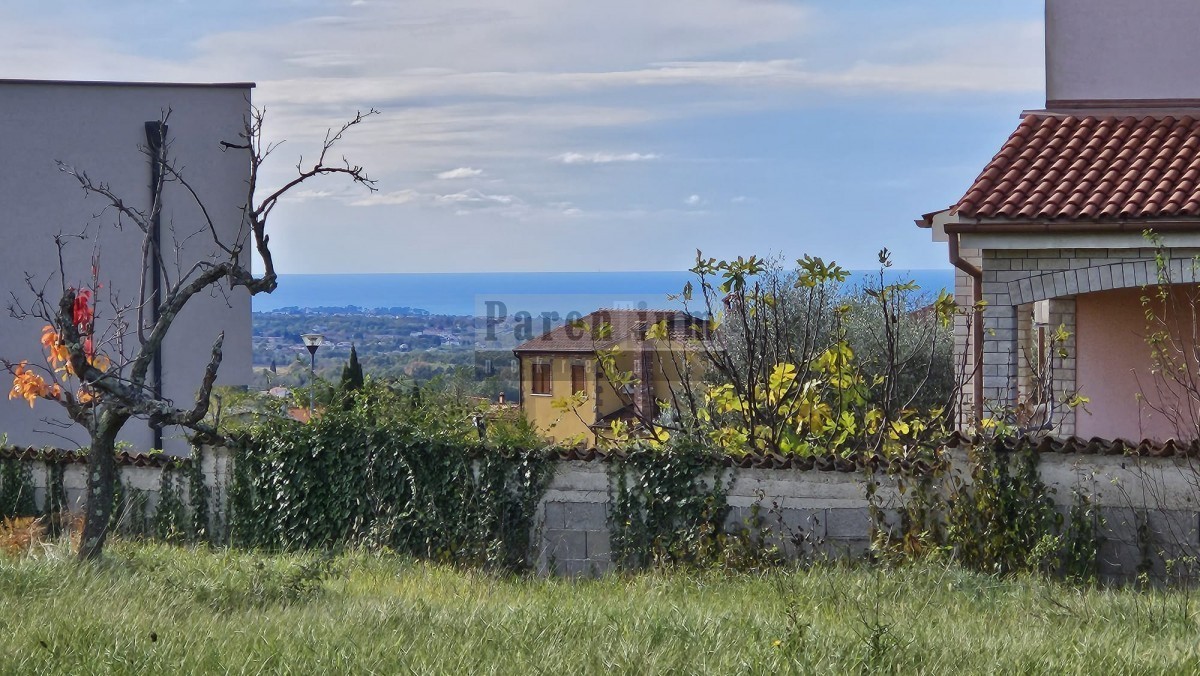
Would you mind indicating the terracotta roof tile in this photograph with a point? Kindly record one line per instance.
(1091, 168)
(65, 457)
(625, 323)
(1094, 446)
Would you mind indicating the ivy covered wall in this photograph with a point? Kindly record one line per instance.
(583, 514)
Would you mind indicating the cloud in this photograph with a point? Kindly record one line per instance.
(410, 196)
(475, 197)
(379, 199)
(461, 172)
(306, 195)
(511, 86)
(604, 158)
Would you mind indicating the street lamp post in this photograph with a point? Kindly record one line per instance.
(312, 341)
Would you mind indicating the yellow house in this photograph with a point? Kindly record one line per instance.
(568, 394)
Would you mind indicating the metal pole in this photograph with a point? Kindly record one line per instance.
(312, 384)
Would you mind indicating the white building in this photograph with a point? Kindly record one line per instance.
(100, 128)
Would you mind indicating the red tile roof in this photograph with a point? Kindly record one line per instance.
(624, 323)
(1091, 168)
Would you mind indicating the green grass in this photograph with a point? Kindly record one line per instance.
(152, 609)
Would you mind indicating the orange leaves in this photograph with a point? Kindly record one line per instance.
(56, 350)
(30, 386)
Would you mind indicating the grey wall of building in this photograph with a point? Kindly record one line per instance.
(99, 128)
(1122, 49)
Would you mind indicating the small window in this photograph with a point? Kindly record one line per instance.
(541, 378)
(578, 379)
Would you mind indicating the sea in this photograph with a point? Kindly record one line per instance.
(498, 294)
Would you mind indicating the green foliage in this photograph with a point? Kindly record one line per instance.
(16, 489)
(386, 474)
(198, 497)
(798, 364)
(1076, 555)
(997, 524)
(1003, 520)
(170, 514)
(352, 374)
(667, 507)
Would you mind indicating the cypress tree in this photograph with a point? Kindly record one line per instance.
(352, 373)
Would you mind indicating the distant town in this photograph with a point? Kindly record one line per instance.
(395, 344)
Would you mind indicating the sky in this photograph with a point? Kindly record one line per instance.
(540, 135)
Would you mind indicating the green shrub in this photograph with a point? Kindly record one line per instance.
(382, 473)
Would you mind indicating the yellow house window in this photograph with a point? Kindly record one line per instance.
(578, 378)
(541, 378)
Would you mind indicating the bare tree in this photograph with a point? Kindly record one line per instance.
(102, 393)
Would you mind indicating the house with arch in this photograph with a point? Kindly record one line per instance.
(1051, 245)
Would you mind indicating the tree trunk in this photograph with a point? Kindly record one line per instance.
(101, 484)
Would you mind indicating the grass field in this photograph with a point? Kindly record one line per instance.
(151, 609)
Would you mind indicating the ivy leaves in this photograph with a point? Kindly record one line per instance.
(384, 474)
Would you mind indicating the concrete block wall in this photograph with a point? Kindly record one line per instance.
(147, 480)
(1150, 508)
(805, 513)
(573, 520)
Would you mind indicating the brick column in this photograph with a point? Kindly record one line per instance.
(964, 350)
(1062, 313)
(1000, 355)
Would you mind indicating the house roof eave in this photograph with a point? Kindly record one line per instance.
(1059, 227)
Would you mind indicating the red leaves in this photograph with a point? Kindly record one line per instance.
(83, 314)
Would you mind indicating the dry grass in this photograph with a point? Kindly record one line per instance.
(20, 535)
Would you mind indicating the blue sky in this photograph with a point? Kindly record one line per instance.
(543, 135)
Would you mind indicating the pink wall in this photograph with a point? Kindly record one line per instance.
(1113, 367)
